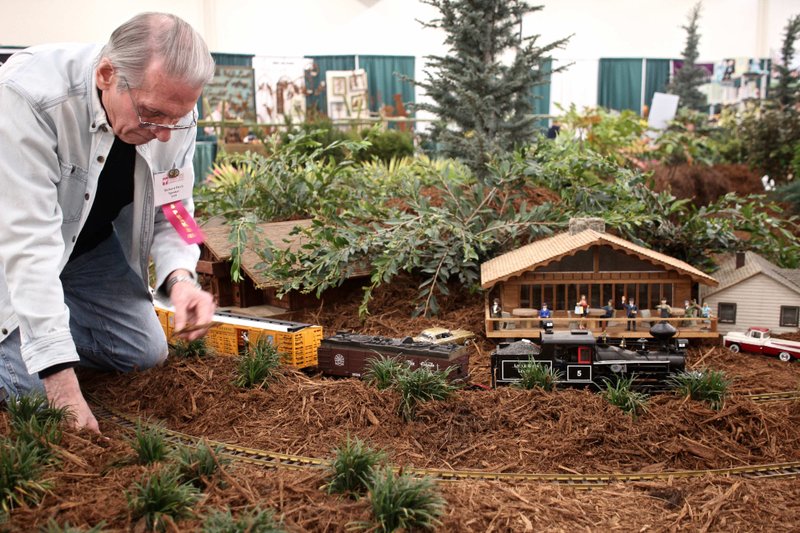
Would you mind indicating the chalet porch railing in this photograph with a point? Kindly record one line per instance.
(617, 325)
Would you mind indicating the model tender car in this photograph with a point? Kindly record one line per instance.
(758, 340)
(445, 336)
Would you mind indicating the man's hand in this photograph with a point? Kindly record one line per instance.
(63, 390)
(193, 307)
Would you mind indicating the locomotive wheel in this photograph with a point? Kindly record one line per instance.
(734, 348)
(785, 357)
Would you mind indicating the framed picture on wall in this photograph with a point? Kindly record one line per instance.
(358, 81)
(339, 86)
(356, 103)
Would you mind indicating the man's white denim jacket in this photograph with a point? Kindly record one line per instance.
(54, 138)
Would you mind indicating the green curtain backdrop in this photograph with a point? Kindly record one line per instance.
(619, 84)
(656, 78)
(541, 95)
(324, 64)
(234, 60)
(383, 82)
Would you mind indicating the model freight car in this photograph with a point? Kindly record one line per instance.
(347, 354)
(583, 361)
(231, 333)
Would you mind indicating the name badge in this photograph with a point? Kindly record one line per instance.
(172, 186)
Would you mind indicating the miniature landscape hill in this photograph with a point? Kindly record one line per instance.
(504, 430)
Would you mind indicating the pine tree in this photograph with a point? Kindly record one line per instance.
(786, 93)
(687, 80)
(483, 104)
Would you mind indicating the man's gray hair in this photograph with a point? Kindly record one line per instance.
(149, 37)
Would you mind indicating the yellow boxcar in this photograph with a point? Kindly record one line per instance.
(297, 343)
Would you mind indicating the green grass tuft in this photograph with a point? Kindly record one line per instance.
(200, 464)
(353, 466)
(533, 374)
(21, 465)
(422, 385)
(710, 386)
(255, 520)
(401, 502)
(382, 372)
(161, 498)
(621, 395)
(257, 365)
(149, 443)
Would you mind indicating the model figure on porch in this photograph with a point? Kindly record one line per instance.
(582, 309)
(631, 310)
(544, 312)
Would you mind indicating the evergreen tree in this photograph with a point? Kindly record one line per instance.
(786, 91)
(687, 80)
(484, 105)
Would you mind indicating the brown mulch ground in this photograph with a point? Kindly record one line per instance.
(495, 430)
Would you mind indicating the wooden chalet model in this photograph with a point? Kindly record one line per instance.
(257, 288)
(587, 261)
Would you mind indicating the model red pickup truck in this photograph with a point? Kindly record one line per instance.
(758, 340)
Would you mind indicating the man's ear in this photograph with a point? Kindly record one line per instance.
(104, 74)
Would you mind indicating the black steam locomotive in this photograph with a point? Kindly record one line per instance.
(583, 360)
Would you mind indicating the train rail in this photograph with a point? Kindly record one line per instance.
(774, 396)
(275, 460)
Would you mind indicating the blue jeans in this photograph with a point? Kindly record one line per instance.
(112, 320)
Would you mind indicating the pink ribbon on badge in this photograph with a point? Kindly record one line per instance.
(183, 222)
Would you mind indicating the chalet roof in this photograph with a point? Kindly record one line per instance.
(545, 251)
(279, 233)
(728, 275)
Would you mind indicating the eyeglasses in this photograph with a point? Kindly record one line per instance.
(154, 125)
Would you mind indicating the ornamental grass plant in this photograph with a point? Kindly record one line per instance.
(710, 386)
(422, 385)
(252, 520)
(199, 464)
(257, 365)
(189, 349)
(622, 395)
(21, 473)
(161, 498)
(382, 372)
(150, 443)
(533, 374)
(353, 467)
(402, 502)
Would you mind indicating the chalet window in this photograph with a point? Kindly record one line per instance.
(790, 316)
(726, 313)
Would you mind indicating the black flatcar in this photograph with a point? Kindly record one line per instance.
(583, 361)
(347, 354)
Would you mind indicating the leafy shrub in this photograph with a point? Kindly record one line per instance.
(403, 503)
(21, 464)
(162, 498)
(620, 394)
(199, 464)
(255, 520)
(149, 443)
(258, 364)
(533, 374)
(422, 385)
(385, 145)
(353, 466)
(710, 386)
(382, 371)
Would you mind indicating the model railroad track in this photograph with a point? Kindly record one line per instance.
(774, 396)
(274, 460)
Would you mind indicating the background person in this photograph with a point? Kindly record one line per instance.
(90, 140)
